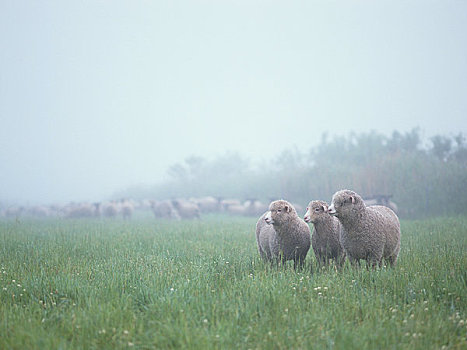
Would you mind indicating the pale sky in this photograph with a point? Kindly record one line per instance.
(97, 96)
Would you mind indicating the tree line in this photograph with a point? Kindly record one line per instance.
(424, 177)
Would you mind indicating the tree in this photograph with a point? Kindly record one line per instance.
(441, 147)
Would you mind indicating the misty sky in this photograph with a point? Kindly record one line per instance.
(97, 96)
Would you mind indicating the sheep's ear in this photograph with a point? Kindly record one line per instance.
(287, 209)
(325, 208)
(352, 199)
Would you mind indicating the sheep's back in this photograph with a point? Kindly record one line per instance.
(295, 238)
(388, 223)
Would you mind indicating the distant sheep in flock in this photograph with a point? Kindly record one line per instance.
(370, 233)
(110, 209)
(254, 207)
(12, 212)
(207, 204)
(164, 210)
(82, 210)
(39, 211)
(250, 207)
(325, 238)
(381, 199)
(126, 208)
(186, 209)
(232, 207)
(282, 235)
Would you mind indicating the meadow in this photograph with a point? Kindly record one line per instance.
(153, 284)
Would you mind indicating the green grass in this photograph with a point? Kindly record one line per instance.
(149, 284)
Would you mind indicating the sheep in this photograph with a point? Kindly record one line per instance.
(164, 210)
(226, 203)
(254, 207)
(186, 209)
(236, 209)
(83, 210)
(110, 209)
(232, 207)
(381, 199)
(208, 204)
(13, 212)
(39, 211)
(126, 208)
(325, 238)
(282, 235)
(370, 233)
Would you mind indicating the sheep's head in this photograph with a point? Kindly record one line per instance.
(315, 211)
(344, 202)
(279, 212)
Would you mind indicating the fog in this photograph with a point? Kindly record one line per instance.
(100, 96)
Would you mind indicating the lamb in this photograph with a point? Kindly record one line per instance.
(282, 235)
(370, 233)
(325, 238)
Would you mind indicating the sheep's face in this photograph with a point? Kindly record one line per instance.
(279, 212)
(315, 211)
(344, 202)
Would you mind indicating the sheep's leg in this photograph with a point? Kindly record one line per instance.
(319, 260)
(262, 253)
(284, 261)
(323, 259)
(354, 262)
(373, 262)
(392, 260)
(340, 261)
(298, 262)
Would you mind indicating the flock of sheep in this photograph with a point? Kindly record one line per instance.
(173, 209)
(109, 209)
(348, 228)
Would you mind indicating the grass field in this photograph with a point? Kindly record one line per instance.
(149, 284)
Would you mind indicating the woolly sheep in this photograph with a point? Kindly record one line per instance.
(186, 209)
(126, 208)
(370, 233)
(208, 204)
(39, 211)
(232, 207)
(227, 203)
(164, 210)
(81, 210)
(110, 209)
(12, 212)
(325, 238)
(281, 235)
(381, 199)
(254, 207)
